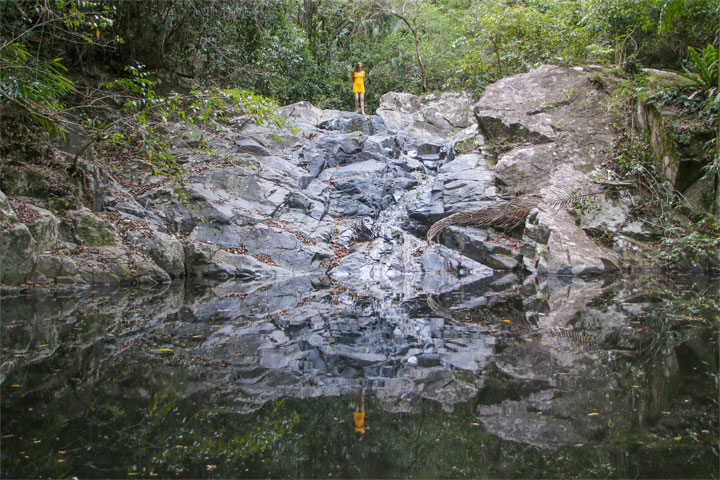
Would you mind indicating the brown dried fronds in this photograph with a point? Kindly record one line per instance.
(505, 215)
(509, 214)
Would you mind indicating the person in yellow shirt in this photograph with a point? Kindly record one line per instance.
(357, 82)
(359, 413)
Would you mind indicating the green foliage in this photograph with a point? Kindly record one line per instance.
(36, 87)
(508, 38)
(37, 82)
(704, 70)
(698, 243)
(147, 114)
(652, 32)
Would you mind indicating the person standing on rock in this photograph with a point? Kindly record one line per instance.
(357, 82)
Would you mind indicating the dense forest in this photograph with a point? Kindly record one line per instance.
(57, 52)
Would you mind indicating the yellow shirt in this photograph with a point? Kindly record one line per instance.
(359, 419)
(359, 81)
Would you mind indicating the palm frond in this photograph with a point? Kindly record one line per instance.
(510, 214)
(505, 215)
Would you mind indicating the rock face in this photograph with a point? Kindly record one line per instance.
(677, 137)
(344, 195)
(431, 117)
(551, 125)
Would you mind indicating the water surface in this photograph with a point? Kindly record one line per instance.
(507, 377)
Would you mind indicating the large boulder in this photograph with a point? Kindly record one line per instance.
(165, 250)
(436, 117)
(18, 253)
(114, 265)
(83, 227)
(546, 127)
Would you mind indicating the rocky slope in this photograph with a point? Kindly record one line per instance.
(343, 195)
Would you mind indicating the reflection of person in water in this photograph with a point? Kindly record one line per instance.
(359, 413)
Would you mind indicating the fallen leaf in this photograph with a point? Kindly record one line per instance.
(164, 350)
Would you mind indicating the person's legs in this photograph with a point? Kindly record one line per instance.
(356, 95)
(362, 103)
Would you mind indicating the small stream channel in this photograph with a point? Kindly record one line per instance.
(505, 377)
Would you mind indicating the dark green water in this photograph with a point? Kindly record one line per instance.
(611, 378)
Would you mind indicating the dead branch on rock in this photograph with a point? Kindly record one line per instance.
(509, 214)
(505, 215)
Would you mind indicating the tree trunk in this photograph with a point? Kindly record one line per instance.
(413, 29)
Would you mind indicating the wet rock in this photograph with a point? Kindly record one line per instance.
(466, 183)
(207, 260)
(116, 265)
(555, 245)
(166, 251)
(474, 243)
(55, 268)
(250, 146)
(356, 194)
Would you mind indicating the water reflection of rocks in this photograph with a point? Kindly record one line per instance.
(536, 357)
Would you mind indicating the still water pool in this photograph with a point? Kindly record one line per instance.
(505, 378)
